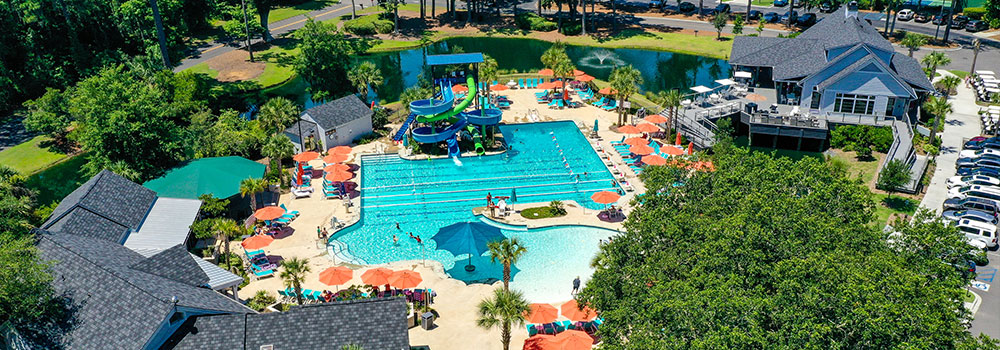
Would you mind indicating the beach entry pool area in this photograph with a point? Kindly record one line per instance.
(546, 161)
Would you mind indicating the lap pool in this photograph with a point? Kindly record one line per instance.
(547, 161)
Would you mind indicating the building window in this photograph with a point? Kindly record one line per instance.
(814, 103)
(889, 106)
(854, 104)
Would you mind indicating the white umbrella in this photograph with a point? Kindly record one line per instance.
(725, 82)
(700, 89)
(742, 74)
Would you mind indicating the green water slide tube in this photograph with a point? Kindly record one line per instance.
(469, 96)
(478, 139)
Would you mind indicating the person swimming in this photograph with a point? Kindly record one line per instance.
(395, 240)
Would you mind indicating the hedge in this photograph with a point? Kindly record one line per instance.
(532, 21)
(849, 137)
(368, 25)
(974, 12)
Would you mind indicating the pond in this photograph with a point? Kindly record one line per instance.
(660, 70)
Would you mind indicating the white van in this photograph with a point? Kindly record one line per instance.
(981, 231)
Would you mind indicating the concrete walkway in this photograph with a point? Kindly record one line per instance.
(963, 123)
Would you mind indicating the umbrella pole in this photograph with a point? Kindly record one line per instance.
(470, 267)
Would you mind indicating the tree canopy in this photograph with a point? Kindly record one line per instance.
(323, 62)
(793, 263)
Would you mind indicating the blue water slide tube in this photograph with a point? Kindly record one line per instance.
(434, 106)
(482, 117)
(424, 135)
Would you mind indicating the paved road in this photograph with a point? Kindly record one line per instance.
(988, 316)
(960, 125)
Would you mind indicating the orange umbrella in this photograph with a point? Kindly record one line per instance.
(577, 72)
(340, 150)
(647, 127)
(336, 275)
(690, 148)
(540, 342)
(405, 279)
(584, 78)
(269, 213)
(641, 150)
(546, 72)
(655, 119)
(541, 313)
(628, 129)
(376, 277)
(607, 91)
(572, 311)
(305, 156)
(334, 158)
(654, 160)
(671, 150)
(459, 88)
(636, 141)
(338, 176)
(546, 86)
(704, 166)
(256, 242)
(678, 141)
(755, 97)
(337, 167)
(574, 340)
(604, 197)
(499, 87)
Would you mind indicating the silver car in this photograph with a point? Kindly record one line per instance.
(974, 215)
(959, 181)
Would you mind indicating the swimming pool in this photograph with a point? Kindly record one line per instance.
(546, 161)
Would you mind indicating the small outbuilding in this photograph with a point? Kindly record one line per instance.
(334, 123)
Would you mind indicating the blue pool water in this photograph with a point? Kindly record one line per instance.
(423, 196)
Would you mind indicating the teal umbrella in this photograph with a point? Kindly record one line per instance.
(595, 125)
(406, 141)
(466, 238)
(513, 195)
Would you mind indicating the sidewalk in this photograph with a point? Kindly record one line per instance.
(963, 123)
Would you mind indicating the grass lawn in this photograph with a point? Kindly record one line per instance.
(539, 213)
(30, 156)
(59, 180)
(885, 206)
(282, 13)
(202, 68)
(960, 73)
(274, 74)
(968, 298)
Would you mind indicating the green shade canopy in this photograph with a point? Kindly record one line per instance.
(218, 176)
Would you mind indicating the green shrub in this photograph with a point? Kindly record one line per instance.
(360, 26)
(366, 138)
(383, 26)
(974, 12)
(572, 29)
(854, 137)
(532, 21)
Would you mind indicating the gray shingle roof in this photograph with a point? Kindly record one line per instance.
(105, 207)
(116, 306)
(371, 323)
(838, 30)
(338, 112)
(909, 69)
(174, 263)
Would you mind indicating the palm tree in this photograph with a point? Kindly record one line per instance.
(949, 83)
(365, 75)
(251, 186)
(488, 71)
(625, 80)
(564, 69)
(913, 41)
(226, 229)
(505, 308)
(293, 272)
(933, 60)
(279, 147)
(277, 114)
(670, 100)
(508, 251)
(352, 347)
(938, 107)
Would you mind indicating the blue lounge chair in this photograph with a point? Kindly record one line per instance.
(294, 212)
(599, 103)
(307, 294)
(520, 83)
(609, 106)
(614, 143)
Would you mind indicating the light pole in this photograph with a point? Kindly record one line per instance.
(975, 55)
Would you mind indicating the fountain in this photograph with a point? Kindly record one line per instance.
(601, 59)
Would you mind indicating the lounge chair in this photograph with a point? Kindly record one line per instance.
(532, 329)
(599, 103)
(613, 143)
(609, 106)
(293, 212)
(520, 83)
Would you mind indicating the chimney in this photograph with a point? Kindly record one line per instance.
(851, 10)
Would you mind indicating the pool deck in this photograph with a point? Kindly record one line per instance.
(456, 301)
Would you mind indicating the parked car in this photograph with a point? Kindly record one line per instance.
(976, 25)
(798, 3)
(771, 17)
(922, 17)
(905, 14)
(806, 20)
(980, 162)
(974, 215)
(978, 191)
(993, 143)
(970, 203)
(979, 171)
(938, 19)
(981, 231)
(655, 4)
(754, 15)
(686, 7)
(959, 22)
(780, 3)
(827, 7)
(959, 181)
(979, 152)
(722, 8)
(789, 17)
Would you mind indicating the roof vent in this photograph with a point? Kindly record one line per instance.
(267, 347)
(851, 10)
(173, 300)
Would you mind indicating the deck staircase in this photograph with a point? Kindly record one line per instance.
(699, 130)
(902, 150)
(402, 129)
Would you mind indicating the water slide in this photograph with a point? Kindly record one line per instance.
(425, 108)
(478, 139)
(453, 150)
